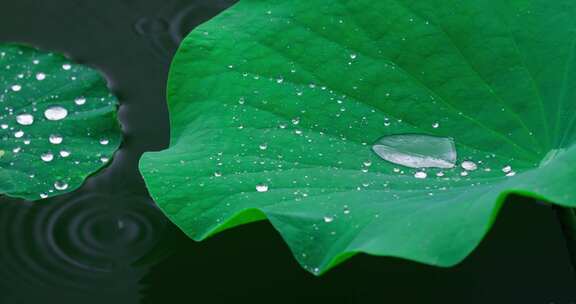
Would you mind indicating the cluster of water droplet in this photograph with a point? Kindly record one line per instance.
(442, 162)
(31, 109)
(298, 136)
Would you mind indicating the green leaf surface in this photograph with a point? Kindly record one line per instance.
(275, 106)
(58, 123)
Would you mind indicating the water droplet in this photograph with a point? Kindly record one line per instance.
(43, 195)
(417, 151)
(40, 76)
(55, 139)
(346, 209)
(353, 56)
(64, 153)
(55, 113)
(435, 125)
(80, 101)
(104, 141)
(217, 174)
(19, 134)
(507, 169)
(59, 185)
(295, 120)
(420, 174)
(25, 119)
(66, 66)
(47, 157)
(469, 165)
(328, 219)
(440, 174)
(262, 188)
(263, 146)
(16, 88)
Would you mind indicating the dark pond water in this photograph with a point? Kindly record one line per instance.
(108, 243)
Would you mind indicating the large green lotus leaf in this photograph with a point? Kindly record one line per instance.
(58, 123)
(276, 105)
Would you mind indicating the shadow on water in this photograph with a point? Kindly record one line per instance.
(108, 242)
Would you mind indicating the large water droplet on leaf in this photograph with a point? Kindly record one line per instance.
(417, 150)
(56, 113)
(25, 119)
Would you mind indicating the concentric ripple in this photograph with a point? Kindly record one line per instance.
(76, 242)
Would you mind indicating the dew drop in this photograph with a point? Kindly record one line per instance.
(346, 209)
(47, 157)
(19, 134)
(328, 219)
(40, 76)
(104, 141)
(469, 165)
(55, 113)
(262, 188)
(55, 139)
(64, 153)
(420, 174)
(59, 185)
(80, 101)
(16, 88)
(66, 66)
(25, 119)
(263, 146)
